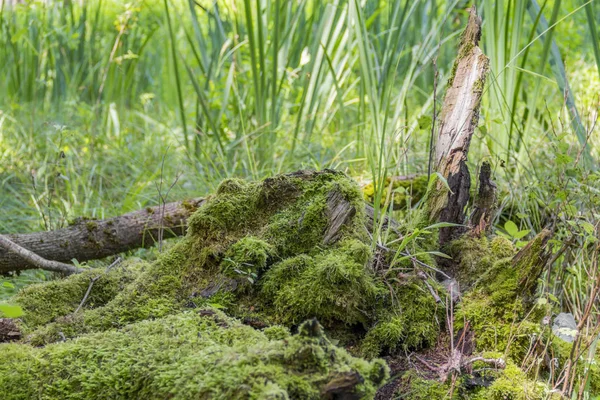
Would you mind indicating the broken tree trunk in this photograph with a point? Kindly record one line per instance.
(93, 239)
(458, 118)
(485, 202)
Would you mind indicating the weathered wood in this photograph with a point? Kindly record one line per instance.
(35, 260)
(339, 212)
(484, 205)
(458, 119)
(9, 330)
(94, 239)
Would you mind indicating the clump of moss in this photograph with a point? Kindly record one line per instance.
(248, 255)
(262, 251)
(333, 285)
(276, 332)
(512, 383)
(476, 258)
(411, 325)
(414, 387)
(44, 303)
(194, 354)
(402, 193)
(495, 306)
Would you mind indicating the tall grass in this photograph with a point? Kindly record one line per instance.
(251, 88)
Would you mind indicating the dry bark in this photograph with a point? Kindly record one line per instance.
(485, 204)
(339, 212)
(94, 239)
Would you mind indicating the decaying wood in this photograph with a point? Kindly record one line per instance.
(339, 212)
(342, 386)
(9, 330)
(485, 203)
(535, 255)
(94, 239)
(458, 119)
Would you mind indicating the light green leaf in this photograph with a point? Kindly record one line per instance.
(587, 227)
(11, 310)
(444, 181)
(439, 254)
(442, 225)
(511, 228)
(542, 301)
(521, 234)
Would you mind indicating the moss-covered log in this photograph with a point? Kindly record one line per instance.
(211, 318)
(277, 252)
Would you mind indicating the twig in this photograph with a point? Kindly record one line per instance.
(424, 277)
(431, 137)
(87, 293)
(426, 364)
(163, 200)
(36, 260)
(498, 363)
(92, 281)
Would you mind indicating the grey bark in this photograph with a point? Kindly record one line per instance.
(94, 239)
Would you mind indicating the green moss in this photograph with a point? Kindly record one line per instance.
(43, 303)
(477, 258)
(195, 354)
(413, 324)
(91, 225)
(414, 387)
(513, 384)
(494, 306)
(478, 85)
(249, 255)
(402, 193)
(498, 303)
(258, 251)
(276, 332)
(332, 285)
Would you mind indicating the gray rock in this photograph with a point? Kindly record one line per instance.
(565, 327)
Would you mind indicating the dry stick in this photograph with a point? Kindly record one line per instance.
(424, 277)
(87, 293)
(36, 260)
(92, 281)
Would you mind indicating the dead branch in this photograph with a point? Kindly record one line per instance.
(89, 239)
(35, 260)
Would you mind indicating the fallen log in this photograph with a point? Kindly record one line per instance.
(94, 239)
(89, 239)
